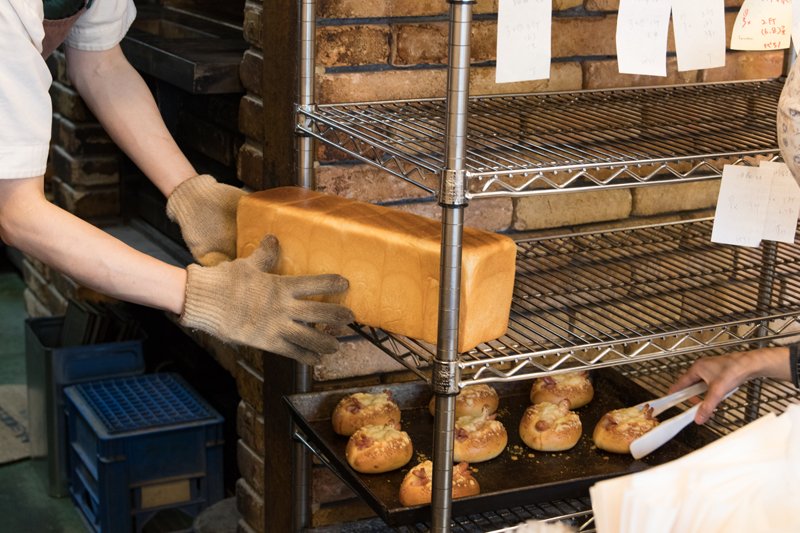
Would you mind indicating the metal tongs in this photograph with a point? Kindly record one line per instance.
(659, 435)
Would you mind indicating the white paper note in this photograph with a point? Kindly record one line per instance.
(762, 25)
(523, 40)
(699, 33)
(642, 27)
(784, 203)
(741, 206)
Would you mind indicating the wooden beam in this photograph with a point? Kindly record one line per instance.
(279, 88)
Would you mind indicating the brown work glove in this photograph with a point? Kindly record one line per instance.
(205, 210)
(241, 302)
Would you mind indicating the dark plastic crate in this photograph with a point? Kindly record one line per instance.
(141, 446)
(50, 368)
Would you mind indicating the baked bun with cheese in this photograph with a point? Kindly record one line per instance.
(472, 400)
(574, 386)
(417, 486)
(616, 429)
(550, 427)
(378, 449)
(362, 409)
(478, 438)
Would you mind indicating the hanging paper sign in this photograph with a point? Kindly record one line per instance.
(741, 206)
(642, 27)
(699, 33)
(756, 203)
(783, 207)
(523, 40)
(762, 25)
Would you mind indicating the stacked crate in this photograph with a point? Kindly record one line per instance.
(142, 448)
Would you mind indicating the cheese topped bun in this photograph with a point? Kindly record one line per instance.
(417, 486)
(616, 430)
(574, 386)
(478, 438)
(472, 399)
(378, 449)
(362, 409)
(550, 427)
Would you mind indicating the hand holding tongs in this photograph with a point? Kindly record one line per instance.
(663, 432)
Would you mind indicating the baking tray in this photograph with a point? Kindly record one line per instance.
(518, 476)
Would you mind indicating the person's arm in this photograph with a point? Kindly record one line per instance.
(29, 222)
(726, 372)
(204, 209)
(124, 105)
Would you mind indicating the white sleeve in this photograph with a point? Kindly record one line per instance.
(25, 108)
(103, 25)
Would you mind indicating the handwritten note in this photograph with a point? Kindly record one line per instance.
(699, 33)
(756, 203)
(783, 207)
(523, 40)
(762, 25)
(642, 27)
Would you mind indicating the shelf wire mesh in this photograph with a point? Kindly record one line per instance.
(602, 299)
(548, 142)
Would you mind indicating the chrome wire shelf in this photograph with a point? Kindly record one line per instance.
(550, 142)
(602, 299)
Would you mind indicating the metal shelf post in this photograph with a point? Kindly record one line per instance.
(453, 201)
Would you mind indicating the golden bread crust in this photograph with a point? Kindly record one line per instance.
(478, 439)
(574, 386)
(362, 409)
(378, 449)
(616, 429)
(472, 400)
(417, 485)
(549, 427)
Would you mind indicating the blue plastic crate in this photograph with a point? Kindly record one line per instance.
(50, 368)
(139, 446)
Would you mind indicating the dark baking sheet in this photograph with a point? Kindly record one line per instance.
(519, 475)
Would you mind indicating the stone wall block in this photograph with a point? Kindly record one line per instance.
(660, 199)
(250, 505)
(250, 427)
(251, 467)
(570, 209)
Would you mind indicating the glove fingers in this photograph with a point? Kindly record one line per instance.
(265, 256)
(322, 312)
(309, 338)
(293, 351)
(321, 285)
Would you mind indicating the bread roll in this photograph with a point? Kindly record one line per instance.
(378, 449)
(616, 429)
(390, 257)
(550, 427)
(574, 386)
(478, 438)
(472, 400)
(362, 409)
(417, 486)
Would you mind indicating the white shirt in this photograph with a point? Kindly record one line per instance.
(25, 106)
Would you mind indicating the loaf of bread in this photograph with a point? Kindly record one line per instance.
(391, 259)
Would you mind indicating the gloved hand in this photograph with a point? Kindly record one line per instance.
(205, 210)
(241, 302)
(788, 122)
